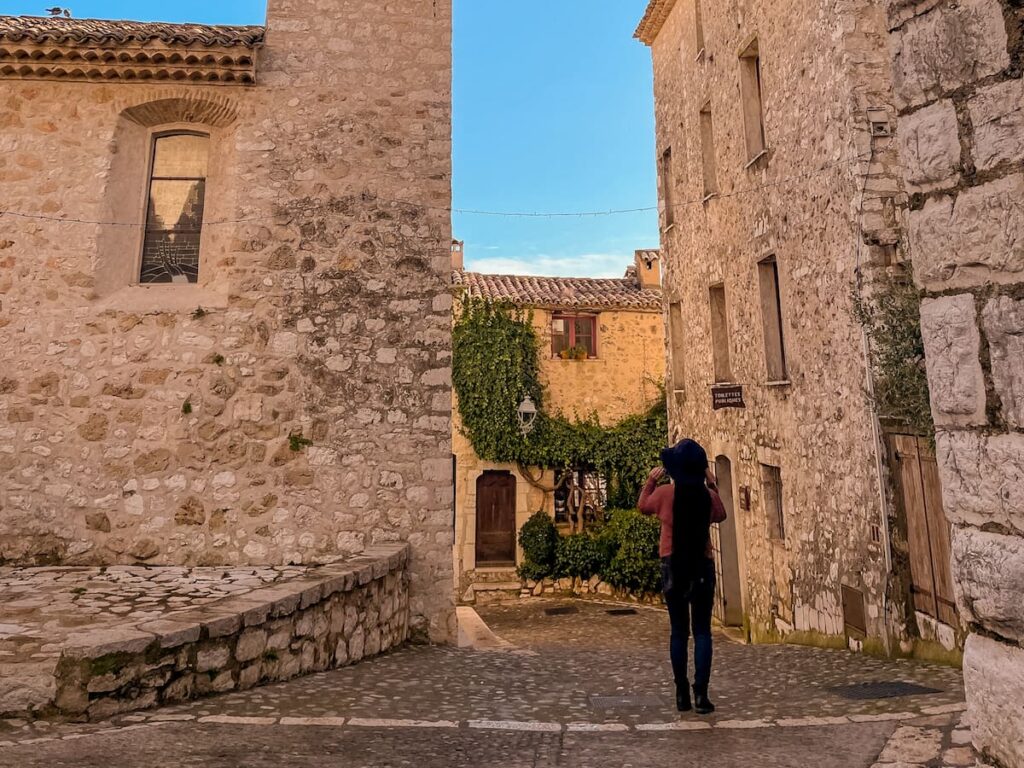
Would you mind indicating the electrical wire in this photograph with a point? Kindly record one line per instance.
(473, 211)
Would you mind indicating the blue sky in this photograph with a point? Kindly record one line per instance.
(553, 113)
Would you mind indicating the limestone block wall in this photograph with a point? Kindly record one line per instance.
(822, 201)
(958, 82)
(155, 424)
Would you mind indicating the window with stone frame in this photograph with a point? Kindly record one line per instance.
(771, 486)
(676, 346)
(573, 336)
(720, 335)
(707, 145)
(668, 188)
(698, 27)
(174, 209)
(751, 98)
(771, 320)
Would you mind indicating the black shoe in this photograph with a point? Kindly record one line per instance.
(703, 705)
(683, 698)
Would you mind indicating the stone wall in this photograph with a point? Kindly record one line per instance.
(960, 93)
(822, 201)
(335, 616)
(162, 424)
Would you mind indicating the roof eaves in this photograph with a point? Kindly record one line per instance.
(654, 18)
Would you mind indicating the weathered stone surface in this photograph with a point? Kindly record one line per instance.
(994, 679)
(997, 114)
(1004, 329)
(930, 146)
(251, 644)
(990, 580)
(946, 47)
(330, 182)
(952, 344)
(977, 239)
(982, 478)
(912, 745)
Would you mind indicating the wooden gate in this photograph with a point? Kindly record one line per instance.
(927, 528)
(496, 519)
(728, 592)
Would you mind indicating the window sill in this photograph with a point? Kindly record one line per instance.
(668, 229)
(163, 299)
(701, 54)
(708, 197)
(754, 160)
(571, 360)
(779, 384)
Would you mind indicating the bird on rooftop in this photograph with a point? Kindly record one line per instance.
(58, 11)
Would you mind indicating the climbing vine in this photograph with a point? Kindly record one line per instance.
(891, 316)
(495, 364)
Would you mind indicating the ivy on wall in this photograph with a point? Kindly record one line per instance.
(891, 317)
(495, 364)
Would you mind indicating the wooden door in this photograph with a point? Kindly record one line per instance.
(496, 519)
(927, 528)
(728, 590)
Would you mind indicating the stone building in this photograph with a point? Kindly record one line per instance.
(618, 323)
(780, 194)
(958, 88)
(225, 318)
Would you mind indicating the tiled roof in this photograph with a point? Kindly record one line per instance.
(654, 18)
(40, 29)
(560, 292)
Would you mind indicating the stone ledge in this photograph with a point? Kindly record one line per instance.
(332, 616)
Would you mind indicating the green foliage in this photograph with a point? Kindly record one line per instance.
(891, 317)
(623, 551)
(632, 540)
(297, 442)
(495, 365)
(539, 539)
(579, 556)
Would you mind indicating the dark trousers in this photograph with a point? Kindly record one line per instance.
(689, 606)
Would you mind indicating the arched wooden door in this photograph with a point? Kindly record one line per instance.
(728, 591)
(496, 519)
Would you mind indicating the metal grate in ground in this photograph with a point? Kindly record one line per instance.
(622, 612)
(563, 610)
(881, 690)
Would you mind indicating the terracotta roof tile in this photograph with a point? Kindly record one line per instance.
(560, 292)
(40, 29)
(654, 18)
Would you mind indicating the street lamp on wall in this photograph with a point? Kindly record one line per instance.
(527, 414)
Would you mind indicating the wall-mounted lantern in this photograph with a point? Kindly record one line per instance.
(527, 414)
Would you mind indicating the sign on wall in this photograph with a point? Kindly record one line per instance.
(730, 396)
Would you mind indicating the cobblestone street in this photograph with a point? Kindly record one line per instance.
(583, 688)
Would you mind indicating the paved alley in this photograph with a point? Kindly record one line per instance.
(582, 684)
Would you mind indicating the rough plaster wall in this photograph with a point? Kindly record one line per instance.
(624, 380)
(823, 64)
(329, 306)
(967, 241)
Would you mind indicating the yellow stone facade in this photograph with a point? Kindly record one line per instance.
(625, 378)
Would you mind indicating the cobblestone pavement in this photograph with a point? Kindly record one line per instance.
(580, 689)
(41, 607)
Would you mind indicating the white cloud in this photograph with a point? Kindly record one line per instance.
(585, 265)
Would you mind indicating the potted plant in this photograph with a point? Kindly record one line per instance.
(566, 354)
(580, 352)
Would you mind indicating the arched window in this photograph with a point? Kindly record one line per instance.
(174, 213)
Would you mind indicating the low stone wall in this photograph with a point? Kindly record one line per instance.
(332, 617)
(487, 591)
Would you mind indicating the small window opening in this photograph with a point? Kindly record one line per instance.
(698, 27)
(771, 319)
(667, 187)
(720, 334)
(771, 484)
(753, 107)
(675, 313)
(707, 140)
(574, 337)
(174, 213)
